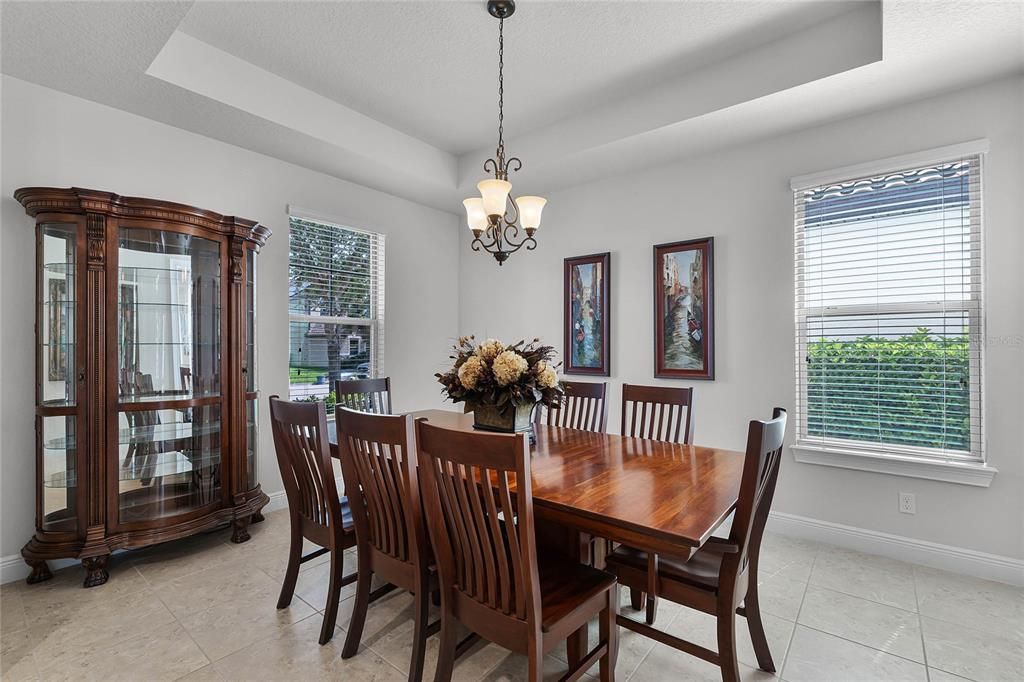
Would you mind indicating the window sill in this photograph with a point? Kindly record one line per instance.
(915, 467)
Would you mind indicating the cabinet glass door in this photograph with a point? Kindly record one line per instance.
(57, 373)
(169, 373)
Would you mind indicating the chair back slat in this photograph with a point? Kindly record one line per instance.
(364, 395)
(303, 455)
(757, 486)
(484, 541)
(379, 464)
(584, 407)
(657, 413)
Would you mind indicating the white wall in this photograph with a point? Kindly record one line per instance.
(53, 139)
(741, 196)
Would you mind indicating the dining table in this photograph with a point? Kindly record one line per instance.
(660, 497)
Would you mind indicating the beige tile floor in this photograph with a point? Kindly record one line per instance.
(203, 609)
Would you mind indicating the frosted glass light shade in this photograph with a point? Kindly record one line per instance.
(495, 194)
(529, 211)
(476, 218)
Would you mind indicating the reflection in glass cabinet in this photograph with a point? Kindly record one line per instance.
(59, 472)
(168, 331)
(170, 461)
(168, 347)
(56, 321)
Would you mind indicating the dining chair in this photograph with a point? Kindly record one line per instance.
(317, 512)
(657, 413)
(479, 511)
(378, 462)
(722, 574)
(364, 395)
(584, 407)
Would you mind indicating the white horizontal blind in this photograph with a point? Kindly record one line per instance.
(889, 312)
(335, 306)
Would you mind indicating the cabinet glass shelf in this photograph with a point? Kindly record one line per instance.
(158, 433)
(161, 396)
(147, 468)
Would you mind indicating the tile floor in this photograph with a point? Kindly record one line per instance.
(203, 609)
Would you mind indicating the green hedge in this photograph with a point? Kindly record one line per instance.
(891, 390)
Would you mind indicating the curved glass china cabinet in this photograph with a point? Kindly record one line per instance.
(145, 375)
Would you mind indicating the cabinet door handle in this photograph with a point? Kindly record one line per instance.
(81, 377)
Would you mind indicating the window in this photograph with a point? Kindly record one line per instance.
(335, 306)
(889, 315)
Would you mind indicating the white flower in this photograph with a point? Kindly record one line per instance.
(508, 367)
(489, 349)
(548, 377)
(470, 371)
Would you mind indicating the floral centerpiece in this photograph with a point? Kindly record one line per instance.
(502, 384)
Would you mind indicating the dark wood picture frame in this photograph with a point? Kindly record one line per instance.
(699, 312)
(603, 309)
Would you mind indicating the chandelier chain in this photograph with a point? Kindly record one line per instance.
(501, 91)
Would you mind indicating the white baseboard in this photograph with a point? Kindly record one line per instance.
(13, 567)
(1003, 569)
(278, 501)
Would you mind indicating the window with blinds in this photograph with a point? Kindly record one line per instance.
(889, 313)
(335, 306)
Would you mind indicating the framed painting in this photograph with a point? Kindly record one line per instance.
(684, 322)
(587, 315)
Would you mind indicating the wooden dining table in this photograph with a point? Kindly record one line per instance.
(657, 496)
(654, 495)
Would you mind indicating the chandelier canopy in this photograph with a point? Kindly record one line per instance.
(495, 221)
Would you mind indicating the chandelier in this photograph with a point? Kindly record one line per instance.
(494, 219)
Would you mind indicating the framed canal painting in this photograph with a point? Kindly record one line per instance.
(684, 330)
(587, 315)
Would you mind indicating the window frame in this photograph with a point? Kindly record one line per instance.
(375, 322)
(892, 458)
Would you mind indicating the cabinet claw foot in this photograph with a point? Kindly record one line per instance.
(40, 571)
(257, 517)
(241, 530)
(95, 570)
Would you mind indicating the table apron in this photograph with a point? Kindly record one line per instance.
(610, 531)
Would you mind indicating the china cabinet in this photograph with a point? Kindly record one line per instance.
(145, 375)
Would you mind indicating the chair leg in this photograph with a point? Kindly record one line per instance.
(652, 609)
(576, 646)
(419, 642)
(535, 664)
(359, 606)
(652, 588)
(333, 596)
(609, 634)
(752, 610)
(636, 599)
(727, 645)
(291, 575)
(446, 651)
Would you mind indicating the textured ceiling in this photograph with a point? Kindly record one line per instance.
(429, 68)
(592, 88)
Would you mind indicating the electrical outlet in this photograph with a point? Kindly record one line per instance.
(908, 503)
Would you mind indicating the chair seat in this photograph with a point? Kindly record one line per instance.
(702, 570)
(564, 585)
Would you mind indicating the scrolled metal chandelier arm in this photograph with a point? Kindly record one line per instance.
(498, 241)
